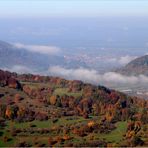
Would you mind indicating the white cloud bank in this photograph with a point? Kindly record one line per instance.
(49, 50)
(19, 69)
(109, 79)
(123, 60)
(92, 76)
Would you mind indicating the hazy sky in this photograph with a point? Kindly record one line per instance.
(72, 8)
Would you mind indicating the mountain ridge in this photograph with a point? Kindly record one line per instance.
(138, 66)
(11, 56)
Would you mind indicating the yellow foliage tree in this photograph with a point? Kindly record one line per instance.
(53, 100)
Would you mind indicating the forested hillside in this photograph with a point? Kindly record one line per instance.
(51, 111)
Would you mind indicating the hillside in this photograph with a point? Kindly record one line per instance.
(136, 67)
(51, 111)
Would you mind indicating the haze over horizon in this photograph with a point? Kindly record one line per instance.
(64, 23)
(72, 8)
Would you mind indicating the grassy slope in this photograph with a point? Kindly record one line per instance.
(117, 134)
(114, 136)
(64, 91)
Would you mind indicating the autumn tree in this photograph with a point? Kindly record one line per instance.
(53, 100)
